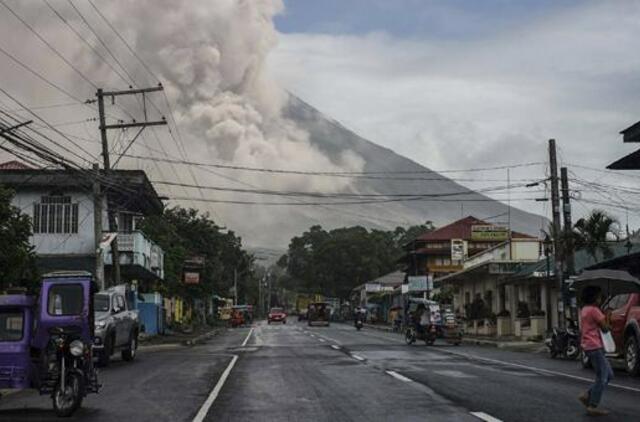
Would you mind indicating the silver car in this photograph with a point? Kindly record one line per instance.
(116, 326)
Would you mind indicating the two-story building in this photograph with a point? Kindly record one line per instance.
(443, 251)
(62, 208)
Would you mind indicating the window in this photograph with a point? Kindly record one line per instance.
(11, 324)
(55, 214)
(618, 301)
(101, 303)
(120, 302)
(65, 299)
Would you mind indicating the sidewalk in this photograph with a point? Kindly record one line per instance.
(507, 344)
(175, 338)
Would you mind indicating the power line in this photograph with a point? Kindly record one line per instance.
(84, 40)
(333, 174)
(364, 202)
(122, 39)
(51, 47)
(101, 42)
(45, 80)
(339, 194)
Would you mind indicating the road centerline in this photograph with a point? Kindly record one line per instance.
(244, 343)
(398, 376)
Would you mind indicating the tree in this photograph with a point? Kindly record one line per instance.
(593, 232)
(184, 233)
(17, 259)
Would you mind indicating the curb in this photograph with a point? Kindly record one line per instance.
(201, 338)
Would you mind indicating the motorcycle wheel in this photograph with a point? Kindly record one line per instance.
(573, 350)
(409, 338)
(553, 353)
(66, 402)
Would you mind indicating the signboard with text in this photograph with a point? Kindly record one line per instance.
(457, 250)
(420, 283)
(191, 278)
(489, 232)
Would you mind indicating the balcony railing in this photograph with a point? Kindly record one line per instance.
(137, 249)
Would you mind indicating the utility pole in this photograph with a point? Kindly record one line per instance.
(97, 227)
(235, 285)
(111, 211)
(568, 226)
(555, 209)
(568, 236)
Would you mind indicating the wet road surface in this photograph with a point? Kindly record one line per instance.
(293, 372)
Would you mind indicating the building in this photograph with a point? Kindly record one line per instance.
(498, 293)
(631, 161)
(62, 207)
(380, 296)
(443, 251)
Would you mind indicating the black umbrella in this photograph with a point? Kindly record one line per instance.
(612, 282)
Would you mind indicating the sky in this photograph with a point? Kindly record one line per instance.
(450, 85)
(464, 84)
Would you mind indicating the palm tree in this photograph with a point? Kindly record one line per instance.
(593, 231)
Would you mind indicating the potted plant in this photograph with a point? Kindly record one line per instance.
(538, 323)
(503, 323)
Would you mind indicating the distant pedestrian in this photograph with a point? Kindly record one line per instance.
(592, 320)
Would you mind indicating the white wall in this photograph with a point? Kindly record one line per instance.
(81, 243)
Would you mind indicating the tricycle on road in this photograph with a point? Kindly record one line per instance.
(47, 345)
(435, 322)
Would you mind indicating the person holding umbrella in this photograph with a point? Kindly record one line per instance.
(592, 321)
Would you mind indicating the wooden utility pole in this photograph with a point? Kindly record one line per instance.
(555, 209)
(111, 211)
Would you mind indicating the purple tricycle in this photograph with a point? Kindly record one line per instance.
(47, 345)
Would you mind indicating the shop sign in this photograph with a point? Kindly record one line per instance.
(489, 232)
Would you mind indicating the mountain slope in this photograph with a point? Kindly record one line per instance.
(334, 139)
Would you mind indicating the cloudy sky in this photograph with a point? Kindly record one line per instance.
(451, 85)
(462, 84)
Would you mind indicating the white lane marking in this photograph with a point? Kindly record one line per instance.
(335, 346)
(202, 413)
(360, 358)
(453, 374)
(322, 340)
(244, 343)
(398, 376)
(485, 417)
(544, 371)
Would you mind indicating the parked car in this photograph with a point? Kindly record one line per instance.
(116, 326)
(277, 315)
(625, 329)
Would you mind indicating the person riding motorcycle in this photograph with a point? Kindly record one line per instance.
(421, 318)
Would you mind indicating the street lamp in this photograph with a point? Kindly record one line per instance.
(547, 243)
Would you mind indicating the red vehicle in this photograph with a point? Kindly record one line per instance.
(277, 315)
(625, 328)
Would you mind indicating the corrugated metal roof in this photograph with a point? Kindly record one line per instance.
(461, 229)
(14, 165)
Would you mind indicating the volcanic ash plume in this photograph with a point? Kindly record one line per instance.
(211, 56)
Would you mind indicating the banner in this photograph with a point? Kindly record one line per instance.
(418, 283)
(457, 250)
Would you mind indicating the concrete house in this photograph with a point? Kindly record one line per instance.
(62, 208)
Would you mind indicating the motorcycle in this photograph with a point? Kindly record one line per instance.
(56, 357)
(564, 341)
(428, 335)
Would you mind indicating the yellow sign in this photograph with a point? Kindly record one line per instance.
(489, 232)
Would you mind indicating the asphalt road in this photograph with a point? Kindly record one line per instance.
(293, 372)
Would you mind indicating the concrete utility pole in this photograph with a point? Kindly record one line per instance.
(111, 212)
(555, 207)
(97, 227)
(235, 286)
(568, 231)
(568, 225)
